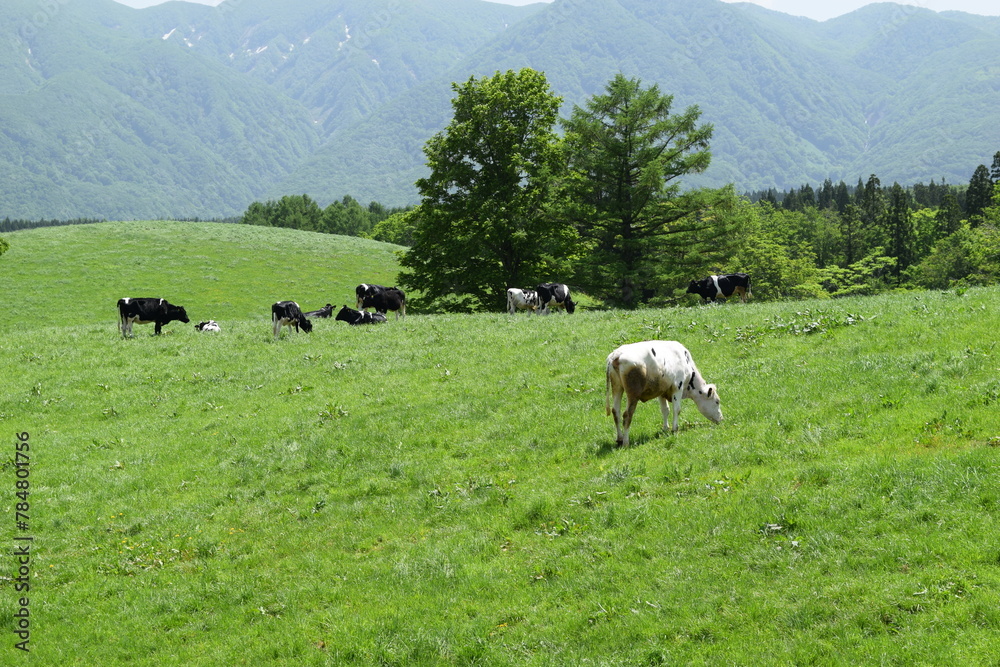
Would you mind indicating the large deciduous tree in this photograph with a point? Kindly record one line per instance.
(482, 225)
(627, 155)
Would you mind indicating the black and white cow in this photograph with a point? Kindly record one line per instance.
(554, 295)
(521, 299)
(208, 325)
(660, 369)
(390, 299)
(288, 314)
(365, 290)
(143, 311)
(325, 311)
(723, 286)
(352, 316)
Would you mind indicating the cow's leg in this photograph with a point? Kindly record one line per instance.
(665, 411)
(627, 418)
(676, 401)
(616, 411)
(276, 325)
(159, 326)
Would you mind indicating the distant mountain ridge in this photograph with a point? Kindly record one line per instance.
(184, 110)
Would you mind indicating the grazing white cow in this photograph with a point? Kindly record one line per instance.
(660, 369)
(522, 299)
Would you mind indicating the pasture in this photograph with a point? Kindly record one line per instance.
(444, 489)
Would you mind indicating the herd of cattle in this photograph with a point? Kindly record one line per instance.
(283, 313)
(640, 371)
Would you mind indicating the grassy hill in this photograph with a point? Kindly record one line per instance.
(216, 271)
(444, 489)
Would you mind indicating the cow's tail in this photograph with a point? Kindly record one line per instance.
(607, 390)
(612, 364)
(749, 291)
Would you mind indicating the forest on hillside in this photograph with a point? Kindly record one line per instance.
(828, 240)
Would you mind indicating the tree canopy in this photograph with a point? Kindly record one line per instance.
(483, 223)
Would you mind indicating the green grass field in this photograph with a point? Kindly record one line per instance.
(444, 489)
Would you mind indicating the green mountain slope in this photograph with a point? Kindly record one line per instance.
(188, 110)
(792, 100)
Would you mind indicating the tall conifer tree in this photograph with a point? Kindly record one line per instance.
(627, 155)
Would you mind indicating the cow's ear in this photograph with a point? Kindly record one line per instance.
(711, 389)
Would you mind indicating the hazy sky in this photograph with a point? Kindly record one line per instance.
(827, 9)
(814, 9)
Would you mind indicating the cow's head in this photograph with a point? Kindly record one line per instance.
(178, 313)
(345, 314)
(693, 287)
(706, 397)
(305, 324)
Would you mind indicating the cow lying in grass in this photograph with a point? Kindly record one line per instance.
(352, 316)
(325, 311)
(656, 369)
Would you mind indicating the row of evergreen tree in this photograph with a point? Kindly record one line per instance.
(9, 225)
(972, 199)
